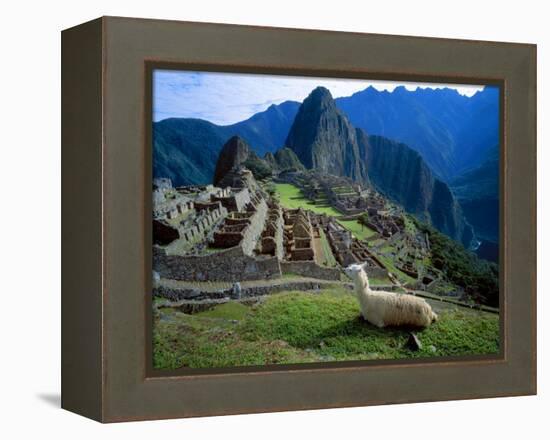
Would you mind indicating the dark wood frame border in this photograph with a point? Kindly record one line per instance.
(106, 177)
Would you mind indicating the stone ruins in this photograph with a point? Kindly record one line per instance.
(236, 232)
(229, 233)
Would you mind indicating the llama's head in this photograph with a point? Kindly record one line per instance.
(353, 270)
(357, 273)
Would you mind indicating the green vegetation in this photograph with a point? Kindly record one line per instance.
(291, 197)
(229, 310)
(358, 230)
(343, 190)
(260, 169)
(410, 227)
(328, 256)
(478, 277)
(296, 327)
(379, 281)
(363, 219)
(269, 187)
(401, 276)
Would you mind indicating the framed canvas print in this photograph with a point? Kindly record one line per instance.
(263, 219)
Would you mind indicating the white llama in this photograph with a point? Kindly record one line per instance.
(382, 308)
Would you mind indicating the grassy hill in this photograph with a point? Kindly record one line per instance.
(297, 327)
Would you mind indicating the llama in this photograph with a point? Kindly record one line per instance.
(382, 308)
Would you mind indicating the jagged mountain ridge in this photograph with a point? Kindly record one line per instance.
(324, 140)
(452, 132)
(186, 149)
(237, 152)
(400, 173)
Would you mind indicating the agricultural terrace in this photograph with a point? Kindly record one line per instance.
(291, 197)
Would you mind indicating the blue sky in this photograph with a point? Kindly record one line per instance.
(226, 98)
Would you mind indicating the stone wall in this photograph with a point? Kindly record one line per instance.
(170, 208)
(376, 272)
(246, 292)
(203, 224)
(229, 265)
(254, 231)
(310, 269)
(272, 235)
(279, 237)
(236, 201)
(302, 254)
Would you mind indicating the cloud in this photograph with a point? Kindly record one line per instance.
(226, 98)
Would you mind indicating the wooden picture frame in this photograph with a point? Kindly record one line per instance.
(106, 206)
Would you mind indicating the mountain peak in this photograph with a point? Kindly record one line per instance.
(319, 97)
(320, 91)
(233, 153)
(322, 138)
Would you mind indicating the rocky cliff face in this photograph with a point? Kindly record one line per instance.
(451, 132)
(477, 192)
(233, 153)
(323, 138)
(401, 174)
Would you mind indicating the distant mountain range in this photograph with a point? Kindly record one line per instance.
(323, 139)
(193, 145)
(452, 132)
(453, 135)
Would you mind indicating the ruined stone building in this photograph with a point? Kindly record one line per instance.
(298, 235)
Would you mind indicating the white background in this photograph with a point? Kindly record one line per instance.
(30, 219)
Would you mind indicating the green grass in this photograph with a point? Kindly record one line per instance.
(358, 230)
(379, 281)
(297, 327)
(387, 249)
(328, 257)
(401, 276)
(229, 310)
(410, 227)
(291, 197)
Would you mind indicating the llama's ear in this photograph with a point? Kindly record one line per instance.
(364, 265)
